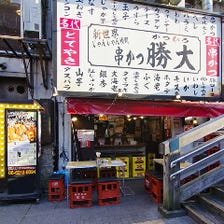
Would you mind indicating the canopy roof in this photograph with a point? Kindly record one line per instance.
(144, 108)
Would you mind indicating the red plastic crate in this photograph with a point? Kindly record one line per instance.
(56, 197)
(56, 188)
(108, 189)
(209, 137)
(89, 174)
(107, 173)
(147, 183)
(213, 166)
(109, 201)
(188, 179)
(55, 183)
(213, 150)
(80, 204)
(80, 192)
(157, 198)
(210, 152)
(157, 186)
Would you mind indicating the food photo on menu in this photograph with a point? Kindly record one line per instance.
(22, 134)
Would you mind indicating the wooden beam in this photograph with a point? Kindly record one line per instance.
(192, 135)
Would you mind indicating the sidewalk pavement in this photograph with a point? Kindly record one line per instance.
(133, 209)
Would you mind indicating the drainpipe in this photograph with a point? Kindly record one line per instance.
(207, 5)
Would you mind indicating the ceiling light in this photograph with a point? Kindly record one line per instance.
(195, 122)
(74, 119)
(120, 94)
(178, 96)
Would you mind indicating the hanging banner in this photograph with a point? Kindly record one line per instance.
(107, 47)
(21, 126)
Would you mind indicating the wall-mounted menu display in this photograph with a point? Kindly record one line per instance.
(21, 129)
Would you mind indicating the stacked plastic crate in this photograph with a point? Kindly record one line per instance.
(80, 193)
(153, 185)
(123, 172)
(108, 191)
(107, 171)
(138, 166)
(56, 187)
(212, 150)
(157, 189)
(89, 173)
(150, 163)
(147, 183)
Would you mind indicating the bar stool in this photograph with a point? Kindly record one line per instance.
(108, 191)
(80, 193)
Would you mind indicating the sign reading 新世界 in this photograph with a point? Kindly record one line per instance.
(110, 47)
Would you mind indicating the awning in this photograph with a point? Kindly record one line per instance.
(144, 108)
(27, 48)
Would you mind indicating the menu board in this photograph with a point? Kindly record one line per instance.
(21, 128)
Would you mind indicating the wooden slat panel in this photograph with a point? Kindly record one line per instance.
(201, 183)
(197, 166)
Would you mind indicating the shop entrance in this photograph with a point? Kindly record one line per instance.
(134, 139)
(131, 131)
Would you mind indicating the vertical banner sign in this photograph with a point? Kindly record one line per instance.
(212, 53)
(21, 128)
(107, 47)
(69, 41)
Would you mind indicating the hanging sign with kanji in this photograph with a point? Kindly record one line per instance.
(107, 47)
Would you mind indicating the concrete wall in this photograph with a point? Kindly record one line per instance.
(45, 166)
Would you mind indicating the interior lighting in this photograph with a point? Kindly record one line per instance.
(177, 96)
(18, 12)
(188, 118)
(120, 94)
(74, 119)
(195, 122)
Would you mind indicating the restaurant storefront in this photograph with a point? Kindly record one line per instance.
(128, 129)
(105, 75)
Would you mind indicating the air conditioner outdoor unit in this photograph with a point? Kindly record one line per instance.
(31, 19)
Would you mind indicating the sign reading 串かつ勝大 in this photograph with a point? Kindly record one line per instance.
(110, 47)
